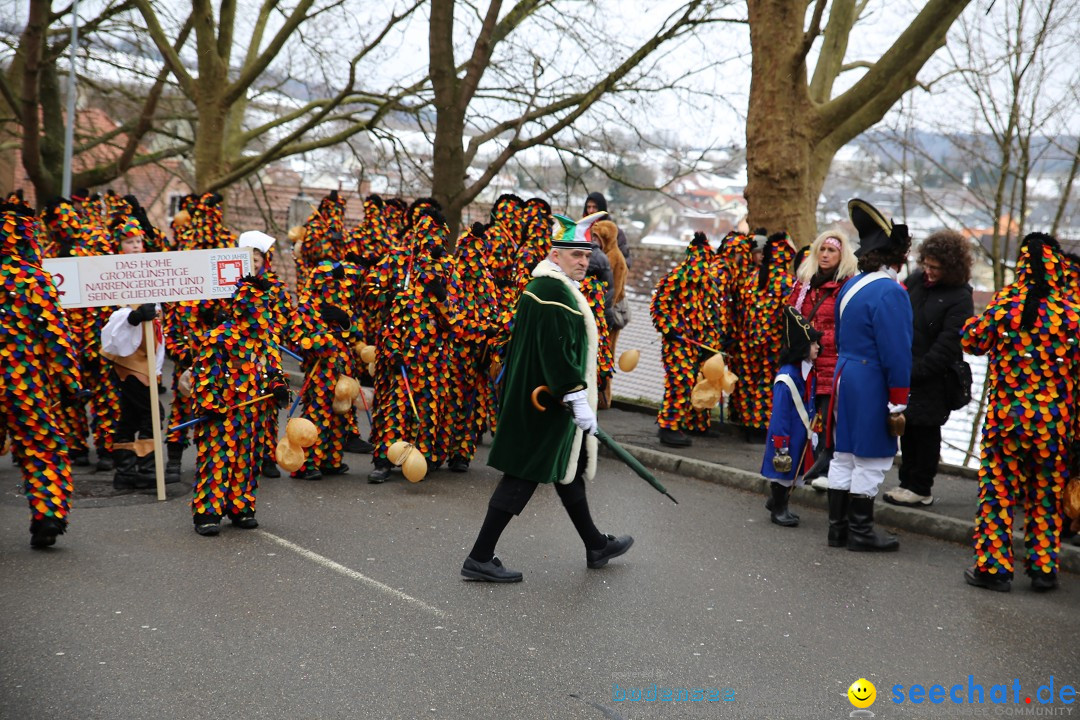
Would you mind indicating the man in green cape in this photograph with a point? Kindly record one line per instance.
(554, 344)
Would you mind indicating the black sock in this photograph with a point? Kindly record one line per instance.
(583, 522)
(494, 524)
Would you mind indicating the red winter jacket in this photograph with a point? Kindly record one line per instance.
(823, 320)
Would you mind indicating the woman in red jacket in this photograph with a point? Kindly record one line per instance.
(829, 264)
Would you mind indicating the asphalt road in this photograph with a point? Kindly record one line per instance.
(347, 603)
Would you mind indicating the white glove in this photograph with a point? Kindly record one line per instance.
(584, 417)
(896, 408)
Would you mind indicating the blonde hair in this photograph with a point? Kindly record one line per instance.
(848, 266)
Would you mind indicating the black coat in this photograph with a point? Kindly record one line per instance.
(938, 316)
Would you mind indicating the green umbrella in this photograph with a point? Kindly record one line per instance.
(620, 452)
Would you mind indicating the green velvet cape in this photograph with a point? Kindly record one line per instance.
(554, 343)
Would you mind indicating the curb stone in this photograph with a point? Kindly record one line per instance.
(914, 520)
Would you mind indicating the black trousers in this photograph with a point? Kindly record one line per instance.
(135, 417)
(921, 448)
(512, 494)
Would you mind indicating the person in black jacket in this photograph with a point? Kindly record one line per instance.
(941, 303)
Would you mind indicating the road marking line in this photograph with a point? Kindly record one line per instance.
(349, 572)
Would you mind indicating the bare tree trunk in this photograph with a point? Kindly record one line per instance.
(1066, 191)
(782, 185)
(793, 130)
(31, 51)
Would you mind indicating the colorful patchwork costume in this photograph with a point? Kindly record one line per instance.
(328, 317)
(411, 362)
(684, 311)
(233, 368)
(470, 403)
(1029, 332)
(38, 372)
(762, 300)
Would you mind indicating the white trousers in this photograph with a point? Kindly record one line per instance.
(858, 475)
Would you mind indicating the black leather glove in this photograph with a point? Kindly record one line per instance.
(281, 395)
(479, 229)
(208, 314)
(436, 289)
(437, 252)
(491, 331)
(333, 315)
(699, 239)
(74, 398)
(141, 314)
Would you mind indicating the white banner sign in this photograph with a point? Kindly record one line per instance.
(148, 277)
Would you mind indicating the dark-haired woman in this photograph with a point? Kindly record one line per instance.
(940, 304)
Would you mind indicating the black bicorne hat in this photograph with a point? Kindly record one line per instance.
(875, 232)
(798, 332)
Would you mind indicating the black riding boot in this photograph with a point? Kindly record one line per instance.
(861, 533)
(778, 512)
(146, 471)
(820, 468)
(172, 462)
(125, 472)
(838, 514)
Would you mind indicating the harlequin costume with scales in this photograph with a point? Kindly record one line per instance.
(232, 368)
(38, 372)
(205, 229)
(411, 361)
(470, 403)
(184, 326)
(324, 236)
(1029, 332)
(283, 323)
(684, 308)
(329, 326)
(70, 235)
(761, 300)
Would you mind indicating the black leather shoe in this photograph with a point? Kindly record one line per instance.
(244, 521)
(756, 436)
(270, 468)
(491, 571)
(358, 446)
(80, 458)
(307, 472)
(458, 464)
(105, 462)
(987, 581)
(380, 474)
(674, 438)
(331, 470)
(43, 532)
(1044, 582)
(615, 547)
(208, 525)
(709, 432)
